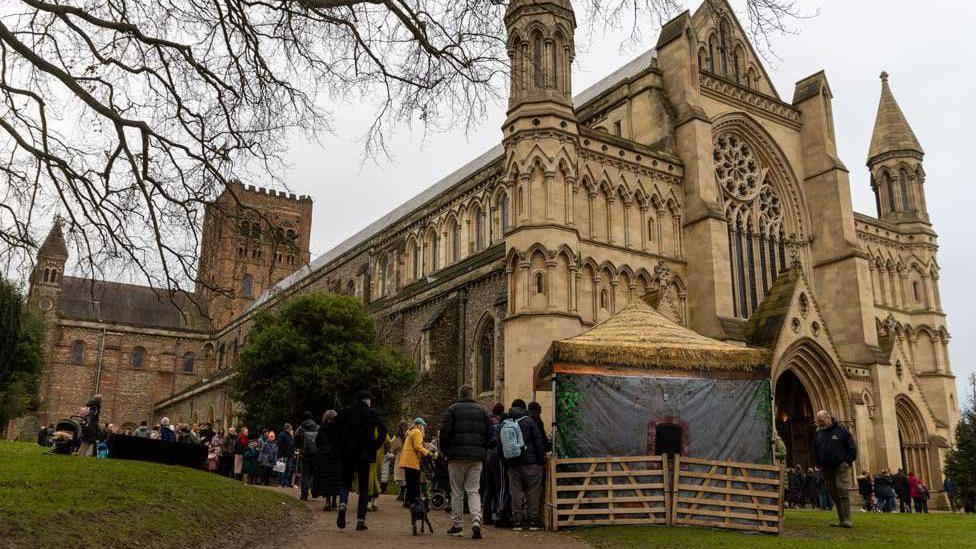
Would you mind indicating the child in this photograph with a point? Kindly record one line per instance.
(249, 468)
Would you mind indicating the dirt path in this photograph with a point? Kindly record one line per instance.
(390, 528)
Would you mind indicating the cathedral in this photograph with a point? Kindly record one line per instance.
(683, 178)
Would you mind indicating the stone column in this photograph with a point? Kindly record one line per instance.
(548, 194)
(627, 224)
(569, 202)
(589, 205)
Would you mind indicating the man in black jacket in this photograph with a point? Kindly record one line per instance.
(903, 491)
(466, 430)
(361, 432)
(835, 451)
(526, 471)
(307, 452)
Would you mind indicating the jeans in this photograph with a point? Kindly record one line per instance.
(886, 504)
(465, 480)
(525, 481)
(308, 475)
(284, 477)
(361, 470)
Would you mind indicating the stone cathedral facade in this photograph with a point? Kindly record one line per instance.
(682, 178)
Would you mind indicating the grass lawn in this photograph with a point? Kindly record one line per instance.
(803, 529)
(67, 501)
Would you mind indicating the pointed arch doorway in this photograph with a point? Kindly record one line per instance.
(794, 420)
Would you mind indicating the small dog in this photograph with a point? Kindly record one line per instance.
(418, 513)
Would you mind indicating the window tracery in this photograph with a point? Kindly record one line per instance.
(754, 213)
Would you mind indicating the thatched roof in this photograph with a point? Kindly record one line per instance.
(640, 337)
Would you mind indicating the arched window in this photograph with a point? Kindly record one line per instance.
(479, 229)
(604, 300)
(903, 182)
(538, 75)
(723, 48)
(553, 66)
(755, 222)
(650, 228)
(77, 352)
(504, 210)
(736, 64)
(890, 188)
(188, 359)
(486, 358)
(521, 201)
(540, 283)
(702, 59)
(416, 260)
(455, 240)
(55, 275)
(434, 248)
(384, 264)
(712, 53)
(245, 228)
(916, 291)
(47, 274)
(138, 357)
(255, 230)
(247, 285)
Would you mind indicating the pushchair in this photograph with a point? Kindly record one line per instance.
(67, 435)
(438, 489)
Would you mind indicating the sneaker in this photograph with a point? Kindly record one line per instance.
(476, 531)
(517, 528)
(361, 525)
(534, 527)
(456, 531)
(341, 517)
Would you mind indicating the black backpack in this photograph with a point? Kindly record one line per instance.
(309, 447)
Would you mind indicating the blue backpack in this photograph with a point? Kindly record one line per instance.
(101, 450)
(510, 435)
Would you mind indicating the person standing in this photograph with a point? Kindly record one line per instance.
(922, 501)
(166, 432)
(267, 458)
(913, 491)
(903, 491)
(884, 490)
(239, 449)
(286, 452)
(949, 486)
(525, 468)
(143, 431)
(396, 446)
(811, 488)
(835, 451)
(413, 451)
(361, 432)
(305, 439)
(226, 467)
(495, 483)
(466, 430)
(327, 462)
(866, 488)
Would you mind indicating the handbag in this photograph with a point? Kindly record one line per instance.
(279, 466)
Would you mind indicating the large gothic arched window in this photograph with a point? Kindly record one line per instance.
(755, 222)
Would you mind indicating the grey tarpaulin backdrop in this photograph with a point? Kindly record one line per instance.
(601, 415)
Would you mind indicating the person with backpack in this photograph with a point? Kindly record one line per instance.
(307, 452)
(466, 430)
(524, 449)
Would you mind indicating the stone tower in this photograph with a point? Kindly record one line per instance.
(45, 284)
(252, 238)
(895, 162)
(541, 138)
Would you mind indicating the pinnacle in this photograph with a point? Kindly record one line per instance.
(54, 245)
(891, 130)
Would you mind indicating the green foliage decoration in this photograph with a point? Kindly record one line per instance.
(22, 334)
(568, 421)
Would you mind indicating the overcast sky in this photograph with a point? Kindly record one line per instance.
(926, 49)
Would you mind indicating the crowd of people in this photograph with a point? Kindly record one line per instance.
(879, 492)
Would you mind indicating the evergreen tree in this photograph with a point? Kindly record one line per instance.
(313, 353)
(961, 462)
(21, 354)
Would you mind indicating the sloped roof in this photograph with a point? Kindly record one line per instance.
(54, 245)
(130, 304)
(891, 129)
(767, 321)
(640, 337)
(638, 65)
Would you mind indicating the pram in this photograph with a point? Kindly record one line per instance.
(438, 489)
(67, 435)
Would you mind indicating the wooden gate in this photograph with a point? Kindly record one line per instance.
(727, 494)
(608, 490)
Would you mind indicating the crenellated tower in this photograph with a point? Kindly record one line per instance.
(895, 162)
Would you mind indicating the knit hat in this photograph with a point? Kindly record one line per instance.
(420, 421)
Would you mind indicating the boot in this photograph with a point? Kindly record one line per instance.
(844, 513)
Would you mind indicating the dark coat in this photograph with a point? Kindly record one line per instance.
(833, 446)
(466, 430)
(361, 432)
(884, 486)
(328, 461)
(286, 445)
(307, 426)
(864, 486)
(534, 439)
(813, 483)
(901, 485)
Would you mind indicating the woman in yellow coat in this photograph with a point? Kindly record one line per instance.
(411, 454)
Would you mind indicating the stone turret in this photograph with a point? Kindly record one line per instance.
(45, 286)
(895, 161)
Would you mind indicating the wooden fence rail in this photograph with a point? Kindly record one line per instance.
(611, 490)
(650, 490)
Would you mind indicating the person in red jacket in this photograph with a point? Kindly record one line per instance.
(913, 483)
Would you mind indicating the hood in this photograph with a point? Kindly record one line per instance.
(309, 425)
(517, 413)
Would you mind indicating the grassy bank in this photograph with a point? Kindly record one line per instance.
(67, 501)
(804, 529)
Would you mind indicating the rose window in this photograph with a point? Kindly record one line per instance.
(736, 168)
